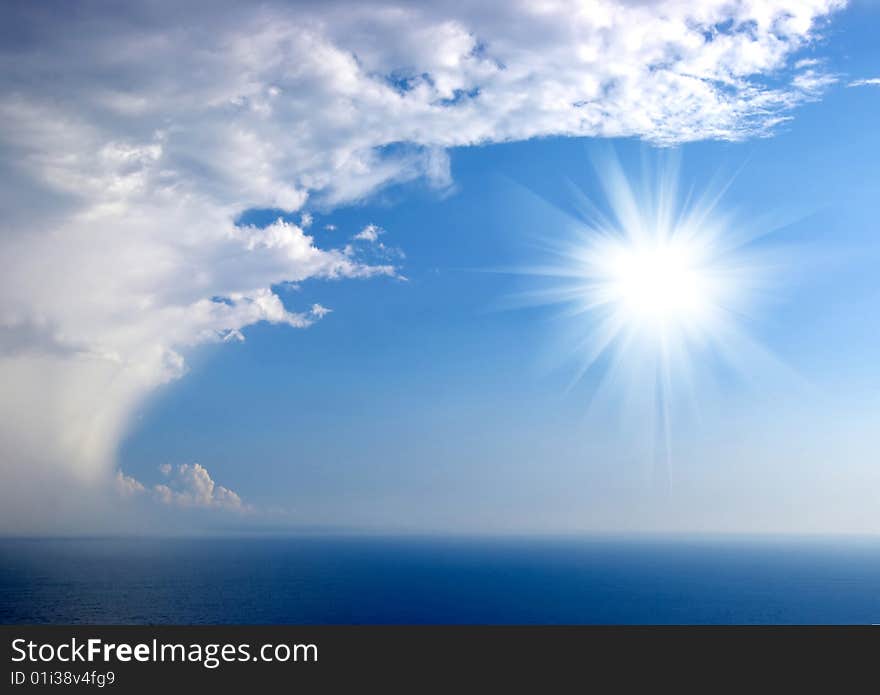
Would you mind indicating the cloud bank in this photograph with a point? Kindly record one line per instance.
(134, 136)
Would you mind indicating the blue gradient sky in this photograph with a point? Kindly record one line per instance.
(419, 405)
(149, 151)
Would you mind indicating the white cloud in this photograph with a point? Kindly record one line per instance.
(191, 485)
(369, 233)
(188, 486)
(132, 139)
(127, 486)
(868, 82)
(378, 252)
(812, 81)
(319, 311)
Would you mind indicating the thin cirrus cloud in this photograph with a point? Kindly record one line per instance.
(135, 135)
(867, 82)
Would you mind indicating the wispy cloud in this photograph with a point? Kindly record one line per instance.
(369, 233)
(812, 81)
(867, 82)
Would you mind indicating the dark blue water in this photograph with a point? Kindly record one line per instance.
(421, 580)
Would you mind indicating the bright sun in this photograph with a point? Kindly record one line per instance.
(657, 284)
(647, 285)
(653, 286)
(656, 272)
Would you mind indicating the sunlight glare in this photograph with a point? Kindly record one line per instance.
(646, 284)
(660, 285)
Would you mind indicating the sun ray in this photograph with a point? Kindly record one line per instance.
(655, 280)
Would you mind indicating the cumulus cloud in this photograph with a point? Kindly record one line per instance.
(186, 486)
(127, 486)
(190, 485)
(135, 135)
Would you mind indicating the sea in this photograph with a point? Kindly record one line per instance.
(328, 579)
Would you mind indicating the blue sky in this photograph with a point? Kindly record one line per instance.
(420, 402)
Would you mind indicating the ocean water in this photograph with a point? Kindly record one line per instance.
(440, 580)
